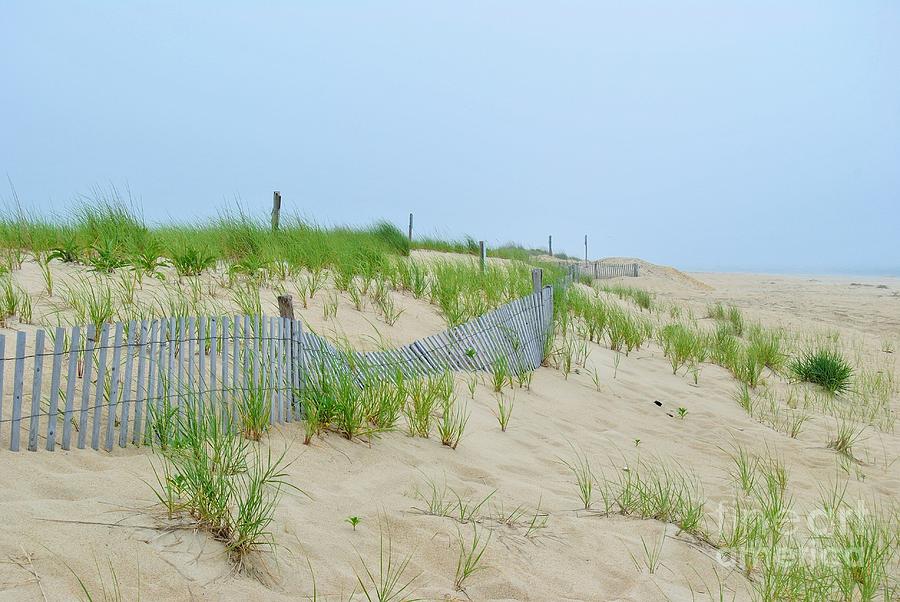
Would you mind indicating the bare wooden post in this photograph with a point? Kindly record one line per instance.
(276, 209)
(286, 310)
(537, 280)
(550, 244)
(585, 248)
(286, 306)
(482, 254)
(410, 227)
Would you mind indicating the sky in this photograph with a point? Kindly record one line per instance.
(707, 135)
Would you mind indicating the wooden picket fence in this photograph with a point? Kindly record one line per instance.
(97, 387)
(599, 271)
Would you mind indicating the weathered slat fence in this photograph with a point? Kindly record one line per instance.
(599, 271)
(99, 386)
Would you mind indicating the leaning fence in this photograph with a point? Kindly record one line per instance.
(98, 386)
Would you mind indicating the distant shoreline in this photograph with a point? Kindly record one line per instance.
(801, 274)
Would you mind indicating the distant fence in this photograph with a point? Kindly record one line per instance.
(599, 271)
(80, 387)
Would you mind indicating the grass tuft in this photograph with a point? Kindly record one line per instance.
(824, 367)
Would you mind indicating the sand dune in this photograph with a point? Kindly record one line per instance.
(82, 508)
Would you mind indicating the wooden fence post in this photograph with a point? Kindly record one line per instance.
(286, 310)
(537, 280)
(276, 209)
(286, 306)
(482, 254)
(410, 226)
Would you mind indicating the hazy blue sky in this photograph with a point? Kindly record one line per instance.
(717, 135)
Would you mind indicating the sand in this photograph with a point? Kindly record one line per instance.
(80, 509)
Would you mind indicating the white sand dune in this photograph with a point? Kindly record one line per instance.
(82, 508)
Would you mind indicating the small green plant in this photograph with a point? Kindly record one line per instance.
(26, 310)
(110, 591)
(746, 467)
(419, 409)
(214, 476)
(192, 261)
(9, 300)
(524, 378)
(466, 509)
(389, 583)
(824, 367)
(695, 372)
(595, 378)
(652, 554)
(500, 374)
(731, 316)
(247, 297)
(356, 296)
(67, 252)
(681, 345)
(92, 301)
(538, 522)
(651, 489)
(44, 263)
(470, 555)
(682, 412)
(148, 261)
(388, 310)
(436, 499)
(330, 309)
(106, 257)
(567, 357)
(472, 384)
(504, 410)
(253, 411)
(353, 521)
(452, 421)
(845, 438)
(580, 467)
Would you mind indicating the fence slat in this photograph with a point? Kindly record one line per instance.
(100, 387)
(169, 377)
(236, 359)
(245, 341)
(144, 354)
(150, 405)
(223, 393)
(289, 369)
(191, 390)
(87, 367)
(162, 398)
(2, 372)
(279, 370)
(127, 394)
(283, 391)
(37, 375)
(58, 346)
(467, 342)
(18, 386)
(213, 394)
(202, 381)
(488, 335)
(114, 386)
(71, 378)
(267, 369)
